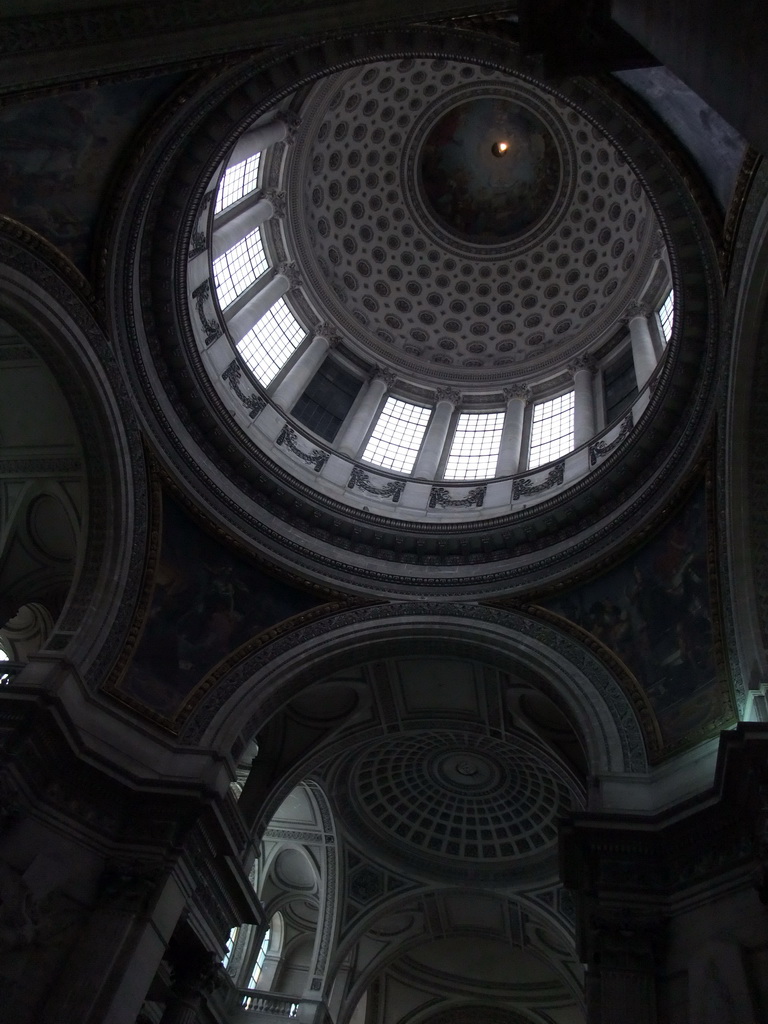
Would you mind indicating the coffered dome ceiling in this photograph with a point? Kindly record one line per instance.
(397, 231)
(442, 259)
(458, 802)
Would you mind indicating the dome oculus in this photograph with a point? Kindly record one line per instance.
(471, 191)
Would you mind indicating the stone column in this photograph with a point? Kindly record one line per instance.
(432, 446)
(195, 976)
(358, 423)
(234, 230)
(255, 306)
(283, 127)
(583, 371)
(109, 970)
(643, 351)
(625, 952)
(309, 361)
(517, 396)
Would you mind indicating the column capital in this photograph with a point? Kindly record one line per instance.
(291, 272)
(635, 309)
(389, 378)
(448, 395)
(325, 329)
(277, 199)
(292, 124)
(584, 362)
(520, 391)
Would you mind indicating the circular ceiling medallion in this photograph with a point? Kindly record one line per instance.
(490, 170)
(460, 797)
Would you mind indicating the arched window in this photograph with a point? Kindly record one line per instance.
(260, 958)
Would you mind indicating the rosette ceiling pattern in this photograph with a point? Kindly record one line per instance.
(443, 260)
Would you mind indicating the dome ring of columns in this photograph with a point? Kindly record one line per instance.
(249, 495)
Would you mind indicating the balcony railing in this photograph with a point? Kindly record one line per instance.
(269, 1004)
(408, 497)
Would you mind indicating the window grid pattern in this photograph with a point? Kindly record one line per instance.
(259, 965)
(239, 267)
(667, 316)
(475, 446)
(238, 181)
(551, 430)
(397, 436)
(270, 343)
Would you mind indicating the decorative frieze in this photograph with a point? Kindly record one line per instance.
(441, 496)
(600, 449)
(525, 487)
(392, 489)
(253, 403)
(315, 458)
(212, 328)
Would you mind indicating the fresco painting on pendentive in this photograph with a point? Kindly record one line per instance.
(58, 155)
(206, 602)
(653, 610)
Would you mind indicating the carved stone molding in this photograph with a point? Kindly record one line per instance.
(277, 198)
(254, 403)
(585, 362)
(636, 309)
(525, 486)
(391, 489)
(448, 395)
(315, 458)
(388, 376)
(441, 497)
(519, 391)
(600, 449)
(290, 271)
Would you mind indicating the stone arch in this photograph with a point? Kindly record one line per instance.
(46, 302)
(260, 684)
(424, 916)
(746, 488)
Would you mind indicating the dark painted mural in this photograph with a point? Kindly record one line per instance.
(654, 611)
(486, 198)
(67, 146)
(206, 602)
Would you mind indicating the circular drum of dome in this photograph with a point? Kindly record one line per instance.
(442, 288)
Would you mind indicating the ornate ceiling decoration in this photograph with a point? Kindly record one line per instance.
(461, 802)
(235, 481)
(437, 257)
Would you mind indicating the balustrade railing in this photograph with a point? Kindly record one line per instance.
(341, 476)
(269, 1004)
